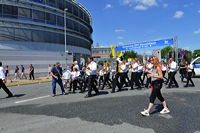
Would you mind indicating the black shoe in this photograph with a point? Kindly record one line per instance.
(186, 86)
(112, 92)
(9, 96)
(119, 90)
(97, 93)
(192, 85)
(87, 96)
(168, 87)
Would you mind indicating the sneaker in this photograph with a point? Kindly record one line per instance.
(53, 95)
(145, 113)
(165, 111)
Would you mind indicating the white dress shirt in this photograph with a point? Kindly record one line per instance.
(2, 73)
(190, 68)
(75, 74)
(92, 68)
(135, 67)
(173, 66)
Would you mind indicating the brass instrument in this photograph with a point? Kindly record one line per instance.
(106, 67)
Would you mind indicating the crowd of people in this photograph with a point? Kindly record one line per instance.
(19, 74)
(95, 77)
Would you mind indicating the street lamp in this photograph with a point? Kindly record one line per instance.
(65, 30)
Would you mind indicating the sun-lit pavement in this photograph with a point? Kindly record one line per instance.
(33, 110)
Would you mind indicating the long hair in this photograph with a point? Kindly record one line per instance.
(156, 61)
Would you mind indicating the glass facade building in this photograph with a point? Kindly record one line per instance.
(38, 25)
(42, 22)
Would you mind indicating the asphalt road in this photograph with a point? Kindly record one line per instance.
(33, 110)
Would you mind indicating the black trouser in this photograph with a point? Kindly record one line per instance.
(31, 75)
(92, 84)
(157, 85)
(100, 80)
(84, 84)
(189, 78)
(122, 79)
(106, 80)
(115, 82)
(135, 79)
(168, 78)
(126, 77)
(3, 86)
(140, 77)
(172, 79)
(148, 82)
(164, 72)
(183, 75)
(144, 75)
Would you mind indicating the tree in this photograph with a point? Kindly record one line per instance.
(129, 54)
(165, 51)
(196, 53)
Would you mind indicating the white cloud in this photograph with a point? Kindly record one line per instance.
(197, 31)
(140, 7)
(178, 14)
(107, 6)
(140, 4)
(120, 38)
(165, 5)
(119, 30)
(199, 11)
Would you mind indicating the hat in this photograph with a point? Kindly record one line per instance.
(57, 63)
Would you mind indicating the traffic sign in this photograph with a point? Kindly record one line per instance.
(182, 53)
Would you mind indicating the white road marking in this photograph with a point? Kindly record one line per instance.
(28, 100)
(166, 116)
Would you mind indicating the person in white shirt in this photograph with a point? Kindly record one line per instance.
(106, 70)
(140, 72)
(190, 69)
(116, 76)
(101, 74)
(149, 69)
(164, 69)
(172, 70)
(75, 65)
(92, 73)
(3, 81)
(123, 72)
(134, 74)
(74, 76)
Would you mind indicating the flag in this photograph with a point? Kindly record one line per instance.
(113, 51)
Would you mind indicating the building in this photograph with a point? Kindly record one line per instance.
(101, 53)
(32, 31)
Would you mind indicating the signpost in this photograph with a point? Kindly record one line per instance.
(182, 53)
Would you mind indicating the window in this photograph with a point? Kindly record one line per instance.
(80, 14)
(68, 6)
(50, 18)
(51, 2)
(60, 21)
(75, 10)
(22, 35)
(24, 12)
(7, 34)
(38, 15)
(10, 11)
(61, 4)
(70, 24)
(197, 62)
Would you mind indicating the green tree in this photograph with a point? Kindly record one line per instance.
(129, 54)
(196, 53)
(165, 51)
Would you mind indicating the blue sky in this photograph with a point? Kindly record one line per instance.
(127, 21)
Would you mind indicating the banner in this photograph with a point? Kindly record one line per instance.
(148, 44)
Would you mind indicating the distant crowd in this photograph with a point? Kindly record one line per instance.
(19, 74)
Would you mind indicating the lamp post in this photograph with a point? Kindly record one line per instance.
(65, 30)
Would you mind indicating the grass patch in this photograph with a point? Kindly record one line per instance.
(26, 82)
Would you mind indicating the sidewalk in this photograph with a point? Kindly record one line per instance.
(25, 81)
